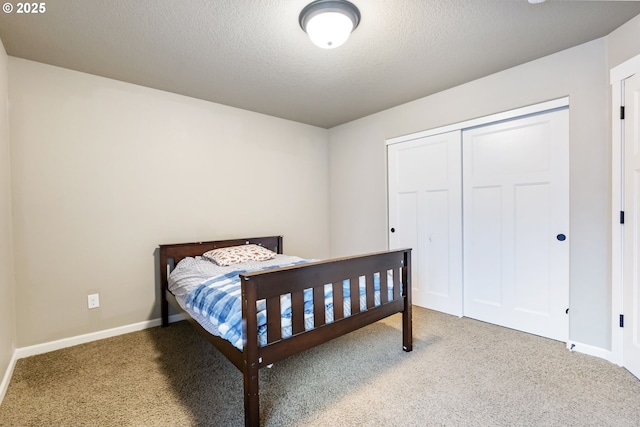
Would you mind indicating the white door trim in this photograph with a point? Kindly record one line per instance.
(617, 75)
(498, 117)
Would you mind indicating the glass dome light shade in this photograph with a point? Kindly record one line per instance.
(329, 30)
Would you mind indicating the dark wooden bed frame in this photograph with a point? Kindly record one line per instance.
(271, 284)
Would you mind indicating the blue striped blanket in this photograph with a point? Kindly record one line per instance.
(218, 300)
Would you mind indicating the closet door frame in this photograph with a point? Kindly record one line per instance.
(617, 76)
(461, 126)
(493, 118)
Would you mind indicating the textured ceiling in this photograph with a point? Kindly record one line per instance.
(253, 55)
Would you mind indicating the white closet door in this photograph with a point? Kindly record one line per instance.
(631, 261)
(516, 223)
(425, 213)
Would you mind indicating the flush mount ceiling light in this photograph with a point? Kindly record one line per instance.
(329, 22)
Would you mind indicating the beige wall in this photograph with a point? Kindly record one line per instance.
(358, 166)
(105, 171)
(7, 285)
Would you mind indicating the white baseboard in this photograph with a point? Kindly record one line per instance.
(4, 385)
(93, 336)
(590, 350)
(33, 350)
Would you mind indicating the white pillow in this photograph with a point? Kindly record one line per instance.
(237, 254)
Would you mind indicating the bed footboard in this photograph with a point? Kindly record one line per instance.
(391, 269)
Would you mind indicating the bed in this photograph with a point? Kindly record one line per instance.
(314, 292)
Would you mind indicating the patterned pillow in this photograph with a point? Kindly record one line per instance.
(237, 254)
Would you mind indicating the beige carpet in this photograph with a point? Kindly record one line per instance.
(461, 373)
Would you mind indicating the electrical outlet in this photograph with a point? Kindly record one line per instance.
(93, 301)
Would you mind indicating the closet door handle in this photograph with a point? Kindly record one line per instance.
(393, 230)
(561, 237)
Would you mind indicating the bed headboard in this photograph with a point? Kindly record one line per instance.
(178, 251)
(170, 255)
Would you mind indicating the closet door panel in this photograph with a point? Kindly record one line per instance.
(531, 229)
(425, 213)
(436, 238)
(483, 248)
(516, 207)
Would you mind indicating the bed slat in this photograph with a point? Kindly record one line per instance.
(396, 284)
(370, 291)
(338, 301)
(297, 312)
(384, 287)
(274, 326)
(354, 286)
(319, 316)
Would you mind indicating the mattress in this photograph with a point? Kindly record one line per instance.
(211, 294)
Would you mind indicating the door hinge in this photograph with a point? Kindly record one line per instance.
(622, 320)
(622, 112)
(621, 217)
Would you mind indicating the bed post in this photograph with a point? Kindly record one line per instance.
(250, 354)
(407, 327)
(164, 304)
